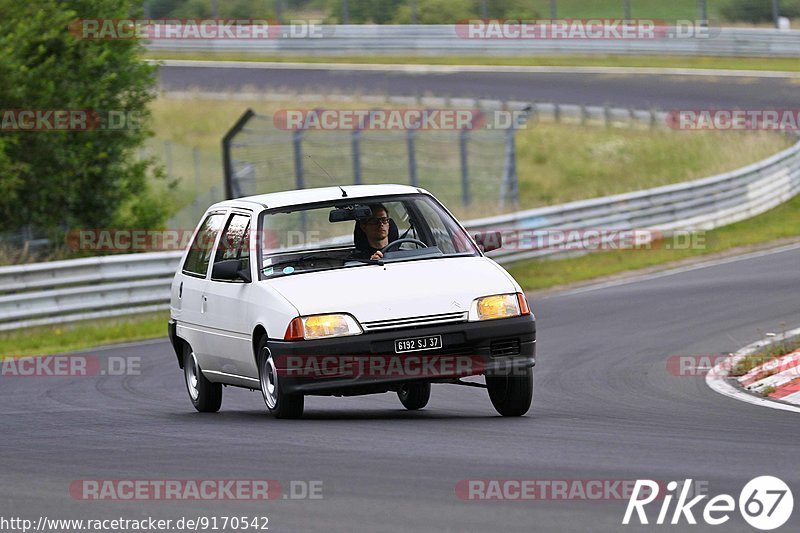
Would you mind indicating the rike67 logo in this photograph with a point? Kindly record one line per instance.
(765, 503)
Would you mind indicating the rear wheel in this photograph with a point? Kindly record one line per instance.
(280, 404)
(206, 396)
(414, 396)
(512, 393)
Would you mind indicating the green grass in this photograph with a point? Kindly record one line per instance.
(781, 222)
(768, 390)
(659, 9)
(675, 9)
(599, 161)
(766, 354)
(48, 340)
(721, 63)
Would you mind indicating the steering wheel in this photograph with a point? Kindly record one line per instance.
(398, 242)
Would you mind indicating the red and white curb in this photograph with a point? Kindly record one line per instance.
(783, 374)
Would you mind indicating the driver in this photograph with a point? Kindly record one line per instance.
(376, 230)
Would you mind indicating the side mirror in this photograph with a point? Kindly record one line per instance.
(230, 270)
(488, 240)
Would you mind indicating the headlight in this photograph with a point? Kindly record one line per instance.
(321, 326)
(499, 306)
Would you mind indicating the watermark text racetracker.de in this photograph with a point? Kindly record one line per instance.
(194, 489)
(196, 29)
(556, 489)
(584, 29)
(384, 366)
(44, 120)
(752, 119)
(428, 119)
(120, 240)
(69, 366)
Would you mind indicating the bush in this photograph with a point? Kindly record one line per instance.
(365, 11)
(757, 10)
(437, 12)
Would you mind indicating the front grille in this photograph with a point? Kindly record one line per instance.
(503, 348)
(415, 322)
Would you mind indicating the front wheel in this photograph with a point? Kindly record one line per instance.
(414, 396)
(280, 404)
(511, 394)
(206, 396)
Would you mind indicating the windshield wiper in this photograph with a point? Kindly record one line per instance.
(366, 261)
(312, 257)
(302, 259)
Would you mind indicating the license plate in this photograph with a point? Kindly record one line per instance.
(415, 344)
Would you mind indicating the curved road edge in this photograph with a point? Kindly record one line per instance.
(717, 377)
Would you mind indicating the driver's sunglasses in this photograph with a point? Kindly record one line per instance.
(378, 221)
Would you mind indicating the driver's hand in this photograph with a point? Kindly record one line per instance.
(377, 255)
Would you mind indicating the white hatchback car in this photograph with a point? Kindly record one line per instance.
(346, 291)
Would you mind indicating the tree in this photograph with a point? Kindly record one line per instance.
(77, 179)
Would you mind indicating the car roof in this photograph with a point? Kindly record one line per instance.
(322, 194)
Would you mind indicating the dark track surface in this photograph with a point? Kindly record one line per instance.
(638, 91)
(605, 408)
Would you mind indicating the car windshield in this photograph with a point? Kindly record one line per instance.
(348, 233)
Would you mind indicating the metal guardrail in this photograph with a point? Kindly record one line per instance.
(66, 291)
(696, 205)
(78, 289)
(445, 39)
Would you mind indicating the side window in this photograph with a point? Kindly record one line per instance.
(235, 242)
(203, 244)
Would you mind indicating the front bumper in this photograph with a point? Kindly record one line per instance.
(367, 363)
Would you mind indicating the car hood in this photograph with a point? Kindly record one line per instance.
(396, 290)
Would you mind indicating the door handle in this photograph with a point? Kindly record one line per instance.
(180, 290)
(204, 304)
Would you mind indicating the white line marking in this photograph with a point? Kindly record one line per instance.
(452, 69)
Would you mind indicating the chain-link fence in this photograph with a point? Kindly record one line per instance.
(471, 168)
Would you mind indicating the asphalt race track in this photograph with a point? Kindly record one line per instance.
(605, 408)
(639, 91)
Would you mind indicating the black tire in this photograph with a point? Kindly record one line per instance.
(205, 396)
(414, 396)
(280, 404)
(511, 394)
